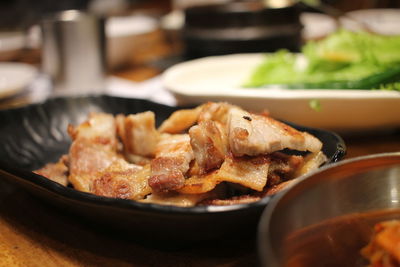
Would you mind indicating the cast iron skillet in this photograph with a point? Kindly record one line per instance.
(34, 135)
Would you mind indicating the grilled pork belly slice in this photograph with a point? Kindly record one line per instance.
(173, 156)
(57, 172)
(138, 133)
(123, 180)
(209, 143)
(243, 199)
(137, 159)
(312, 162)
(283, 167)
(167, 174)
(183, 119)
(174, 145)
(252, 134)
(180, 121)
(181, 200)
(249, 172)
(199, 184)
(98, 129)
(86, 161)
(217, 112)
(257, 173)
(94, 148)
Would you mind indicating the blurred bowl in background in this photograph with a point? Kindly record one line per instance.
(124, 36)
(385, 21)
(173, 21)
(328, 216)
(11, 44)
(124, 33)
(317, 25)
(240, 27)
(172, 24)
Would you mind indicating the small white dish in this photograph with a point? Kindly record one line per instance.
(220, 78)
(124, 35)
(15, 77)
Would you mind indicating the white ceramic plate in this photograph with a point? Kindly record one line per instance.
(15, 77)
(219, 78)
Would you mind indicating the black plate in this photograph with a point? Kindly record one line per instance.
(35, 135)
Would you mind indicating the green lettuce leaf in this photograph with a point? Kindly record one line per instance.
(344, 59)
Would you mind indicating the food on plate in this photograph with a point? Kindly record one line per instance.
(344, 60)
(384, 247)
(214, 154)
(359, 239)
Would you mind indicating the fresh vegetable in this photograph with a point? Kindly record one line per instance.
(344, 60)
(315, 105)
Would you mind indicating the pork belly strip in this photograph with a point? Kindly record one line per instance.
(123, 180)
(57, 172)
(180, 121)
(177, 199)
(247, 198)
(217, 112)
(96, 167)
(209, 143)
(86, 161)
(252, 134)
(283, 167)
(249, 172)
(183, 119)
(172, 161)
(98, 129)
(244, 199)
(312, 162)
(94, 148)
(138, 133)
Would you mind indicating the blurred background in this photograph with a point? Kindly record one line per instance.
(20, 14)
(20, 35)
(145, 37)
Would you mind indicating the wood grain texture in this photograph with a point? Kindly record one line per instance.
(32, 233)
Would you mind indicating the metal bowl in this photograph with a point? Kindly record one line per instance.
(328, 216)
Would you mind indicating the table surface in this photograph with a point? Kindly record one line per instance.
(33, 233)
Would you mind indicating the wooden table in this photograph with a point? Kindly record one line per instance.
(33, 233)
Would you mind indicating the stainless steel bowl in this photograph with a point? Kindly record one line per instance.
(327, 217)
